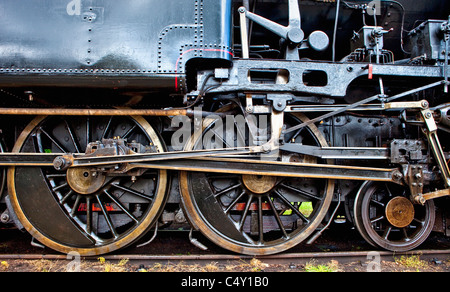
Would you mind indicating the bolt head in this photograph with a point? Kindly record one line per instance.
(242, 9)
(60, 163)
(296, 35)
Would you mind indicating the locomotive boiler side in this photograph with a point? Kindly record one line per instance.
(110, 44)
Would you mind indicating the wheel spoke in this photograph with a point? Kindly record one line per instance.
(227, 190)
(405, 234)
(56, 175)
(260, 220)
(387, 231)
(107, 218)
(244, 215)
(302, 192)
(419, 221)
(72, 136)
(234, 202)
(378, 203)
(277, 217)
(38, 142)
(125, 136)
(389, 191)
(125, 210)
(297, 134)
(88, 215)
(88, 130)
(131, 191)
(53, 140)
(378, 218)
(67, 196)
(288, 204)
(108, 125)
(75, 206)
(57, 188)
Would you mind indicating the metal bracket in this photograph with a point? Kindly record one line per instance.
(277, 128)
(196, 242)
(405, 150)
(415, 175)
(279, 101)
(436, 147)
(36, 244)
(249, 103)
(151, 239)
(415, 181)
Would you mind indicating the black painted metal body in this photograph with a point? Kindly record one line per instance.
(99, 43)
(320, 15)
(147, 43)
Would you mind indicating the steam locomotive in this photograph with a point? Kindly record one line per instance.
(259, 123)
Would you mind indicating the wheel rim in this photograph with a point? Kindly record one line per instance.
(103, 214)
(257, 215)
(386, 218)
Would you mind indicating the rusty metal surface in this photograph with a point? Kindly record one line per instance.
(93, 112)
(400, 212)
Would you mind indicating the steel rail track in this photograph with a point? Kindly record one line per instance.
(342, 257)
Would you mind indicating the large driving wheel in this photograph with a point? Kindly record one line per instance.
(252, 214)
(386, 218)
(81, 209)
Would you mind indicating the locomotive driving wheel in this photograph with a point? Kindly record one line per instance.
(82, 209)
(386, 218)
(255, 214)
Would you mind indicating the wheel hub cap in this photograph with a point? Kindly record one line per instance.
(400, 212)
(83, 181)
(259, 184)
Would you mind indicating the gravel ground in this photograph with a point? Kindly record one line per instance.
(15, 242)
(401, 264)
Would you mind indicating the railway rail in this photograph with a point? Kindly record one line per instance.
(279, 259)
(346, 261)
(282, 261)
(355, 255)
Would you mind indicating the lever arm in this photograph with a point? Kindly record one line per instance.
(293, 32)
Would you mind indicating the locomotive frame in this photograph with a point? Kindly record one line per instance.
(93, 176)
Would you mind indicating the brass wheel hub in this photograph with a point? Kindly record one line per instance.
(400, 212)
(259, 184)
(83, 181)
